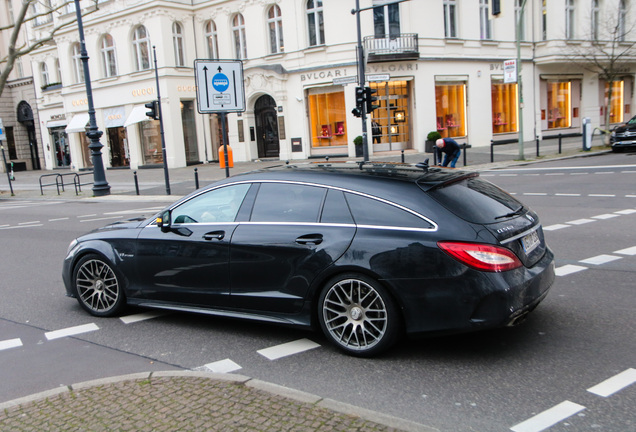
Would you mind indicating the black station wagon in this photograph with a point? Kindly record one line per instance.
(365, 251)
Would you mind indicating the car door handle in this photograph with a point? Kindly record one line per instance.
(314, 239)
(214, 235)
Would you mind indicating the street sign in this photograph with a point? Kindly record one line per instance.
(345, 80)
(2, 137)
(219, 86)
(378, 77)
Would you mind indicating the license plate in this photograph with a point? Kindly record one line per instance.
(530, 242)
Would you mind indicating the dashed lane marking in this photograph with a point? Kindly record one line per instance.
(287, 349)
(101, 219)
(535, 194)
(627, 251)
(555, 227)
(20, 226)
(71, 331)
(130, 319)
(58, 219)
(568, 269)
(549, 417)
(567, 194)
(602, 195)
(605, 216)
(615, 383)
(581, 221)
(626, 212)
(600, 259)
(10, 343)
(223, 366)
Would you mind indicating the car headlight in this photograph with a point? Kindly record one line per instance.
(71, 246)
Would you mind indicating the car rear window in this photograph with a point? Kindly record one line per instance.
(476, 200)
(371, 212)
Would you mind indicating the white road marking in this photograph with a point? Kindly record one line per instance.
(130, 319)
(101, 219)
(626, 212)
(535, 194)
(604, 172)
(555, 174)
(627, 251)
(287, 349)
(20, 226)
(29, 223)
(600, 259)
(10, 343)
(568, 269)
(605, 216)
(508, 175)
(630, 196)
(71, 331)
(628, 172)
(568, 194)
(531, 175)
(555, 227)
(223, 366)
(548, 417)
(88, 215)
(58, 219)
(602, 195)
(581, 221)
(615, 383)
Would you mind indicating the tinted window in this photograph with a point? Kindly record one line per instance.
(336, 209)
(368, 211)
(281, 202)
(218, 205)
(476, 200)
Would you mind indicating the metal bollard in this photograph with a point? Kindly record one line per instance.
(136, 182)
(537, 146)
(402, 151)
(196, 178)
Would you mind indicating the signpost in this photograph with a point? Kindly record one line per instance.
(220, 89)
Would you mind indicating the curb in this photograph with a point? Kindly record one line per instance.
(278, 390)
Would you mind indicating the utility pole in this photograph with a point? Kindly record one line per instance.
(519, 84)
(361, 81)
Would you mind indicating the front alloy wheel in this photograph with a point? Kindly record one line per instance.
(97, 287)
(358, 315)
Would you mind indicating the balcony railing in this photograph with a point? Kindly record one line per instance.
(389, 48)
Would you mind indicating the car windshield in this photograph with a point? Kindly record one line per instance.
(632, 121)
(477, 201)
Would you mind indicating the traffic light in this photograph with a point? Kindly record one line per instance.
(356, 112)
(154, 110)
(370, 99)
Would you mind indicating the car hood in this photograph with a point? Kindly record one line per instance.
(132, 223)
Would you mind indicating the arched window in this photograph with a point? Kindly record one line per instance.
(78, 66)
(315, 23)
(44, 74)
(177, 40)
(275, 27)
(238, 30)
(109, 62)
(211, 40)
(141, 48)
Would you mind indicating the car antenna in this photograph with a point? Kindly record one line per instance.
(423, 165)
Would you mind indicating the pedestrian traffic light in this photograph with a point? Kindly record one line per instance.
(359, 98)
(154, 110)
(356, 112)
(370, 99)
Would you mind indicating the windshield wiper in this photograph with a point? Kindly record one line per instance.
(511, 214)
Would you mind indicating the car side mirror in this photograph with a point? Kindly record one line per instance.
(164, 221)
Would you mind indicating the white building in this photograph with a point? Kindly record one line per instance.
(440, 65)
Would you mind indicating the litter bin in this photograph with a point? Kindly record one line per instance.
(587, 134)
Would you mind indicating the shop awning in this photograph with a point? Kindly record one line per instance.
(137, 115)
(77, 123)
(56, 123)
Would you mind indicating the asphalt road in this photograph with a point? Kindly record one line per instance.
(520, 378)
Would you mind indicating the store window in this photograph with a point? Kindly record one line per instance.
(616, 104)
(151, 142)
(390, 123)
(504, 106)
(189, 131)
(450, 104)
(328, 118)
(87, 160)
(62, 154)
(559, 104)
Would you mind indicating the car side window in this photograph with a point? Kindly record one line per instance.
(283, 202)
(218, 205)
(336, 209)
(368, 211)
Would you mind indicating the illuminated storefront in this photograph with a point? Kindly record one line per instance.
(504, 107)
(450, 105)
(617, 107)
(327, 113)
(390, 123)
(150, 133)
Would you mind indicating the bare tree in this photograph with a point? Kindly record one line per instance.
(22, 19)
(607, 50)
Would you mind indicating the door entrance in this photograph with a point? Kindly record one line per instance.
(119, 156)
(25, 116)
(266, 127)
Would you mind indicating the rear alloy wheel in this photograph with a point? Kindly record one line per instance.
(97, 287)
(358, 315)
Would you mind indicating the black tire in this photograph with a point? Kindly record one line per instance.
(358, 315)
(97, 287)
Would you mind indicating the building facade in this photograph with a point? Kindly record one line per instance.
(434, 67)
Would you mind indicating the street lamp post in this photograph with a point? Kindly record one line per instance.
(100, 185)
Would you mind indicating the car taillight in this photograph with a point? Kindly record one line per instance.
(481, 256)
